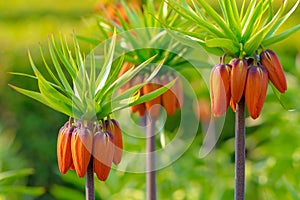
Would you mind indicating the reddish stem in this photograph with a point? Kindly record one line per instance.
(239, 193)
(151, 161)
(89, 182)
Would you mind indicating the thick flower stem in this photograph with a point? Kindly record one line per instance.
(239, 193)
(89, 182)
(150, 162)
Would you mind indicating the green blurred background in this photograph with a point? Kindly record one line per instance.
(28, 129)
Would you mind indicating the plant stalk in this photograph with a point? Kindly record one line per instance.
(239, 192)
(89, 181)
(150, 160)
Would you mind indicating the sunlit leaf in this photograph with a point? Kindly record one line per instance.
(33, 191)
(15, 174)
(281, 36)
(62, 192)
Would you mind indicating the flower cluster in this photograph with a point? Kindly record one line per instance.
(171, 100)
(78, 142)
(245, 78)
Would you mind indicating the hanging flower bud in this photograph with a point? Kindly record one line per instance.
(276, 74)
(113, 127)
(220, 89)
(177, 89)
(139, 108)
(64, 155)
(232, 105)
(153, 106)
(256, 89)
(82, 142)
(103, 154)
(238, 78)
(168, 98)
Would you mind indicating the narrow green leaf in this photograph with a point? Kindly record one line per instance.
(270, 7)
(280, 97)
(88, 40)
(293, 191)
(234, 10)
(70, 68)
(283, 19)
(279, 37)
(116, 106)
(115, 72)
(15, 174)
(255, 41)
(132, 16)
(59, 70)
(33, 191)
(229, 45)
(153, 94)
(62, 192)
(55, 99)
(223, 9)
(242, 10)
(103, 75)
(124, 78)
(49, 70)
(250, 9)
(254, 14)
(233, 19)
(205, 25)
(34, 95)
(218, 19)
(92, 76)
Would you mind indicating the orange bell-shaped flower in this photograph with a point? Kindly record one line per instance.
(153, 106)
(220, 89)
(64, 155)
(238, 78)
(103, 154)
(113, 127)
(81, 147)
(178, 91)
(256, 89)
(168, 98)
(276, 74)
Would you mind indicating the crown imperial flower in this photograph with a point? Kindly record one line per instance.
(220, 89)
(276, 74)
(81, 147)
(113, 127)
(238, 78)
(64, 155)
(256, 89)
(103, 154)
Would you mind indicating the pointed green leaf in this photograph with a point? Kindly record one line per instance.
(34, 95)
(62, 56)
(281, 98)
(15, 174)
(59, 70)
(103, 75)
(33, 191)
(278, 38)
(283, 19)
(229, 45)
(123, 79)
(54, 98)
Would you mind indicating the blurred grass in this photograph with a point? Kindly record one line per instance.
(273, 154)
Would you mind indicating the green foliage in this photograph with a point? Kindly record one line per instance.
(273, 161)
(237, 33)
(12, 176)
(93, 91)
